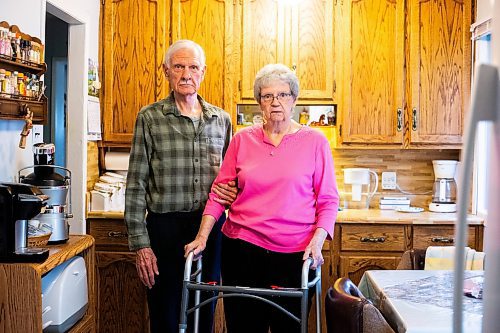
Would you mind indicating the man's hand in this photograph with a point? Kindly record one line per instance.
(146, 266)
(226, 193)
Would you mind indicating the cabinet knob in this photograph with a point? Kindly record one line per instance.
(372, 239)
(117, 234)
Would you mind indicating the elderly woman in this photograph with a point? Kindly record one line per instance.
(285, 208)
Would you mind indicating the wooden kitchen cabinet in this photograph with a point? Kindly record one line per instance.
(21, 288)
(372, 57)
(209, 23)
(439, 70)
(133, 50)
(300, 36)
(359, 247)
(121, 297)
(406, 73)
(134, 38)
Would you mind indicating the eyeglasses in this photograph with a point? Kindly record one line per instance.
(193, 69)
(281, 97)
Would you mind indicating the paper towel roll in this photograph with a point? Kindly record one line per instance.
(117, 161)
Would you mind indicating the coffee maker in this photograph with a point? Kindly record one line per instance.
(55, 186)
(445, 188)
(18, 204)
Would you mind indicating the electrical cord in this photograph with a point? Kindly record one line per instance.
(406, 192)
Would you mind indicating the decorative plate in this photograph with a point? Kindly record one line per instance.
(410, 209)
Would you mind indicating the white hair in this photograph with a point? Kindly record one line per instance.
(184, 44)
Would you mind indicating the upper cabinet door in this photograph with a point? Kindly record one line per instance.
(208, 23)
(298, 34)
(439, 70)
(372, 51)
(262, 31)
(311, 48)
(134, 39)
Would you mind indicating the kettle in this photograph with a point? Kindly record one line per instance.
(359, 188)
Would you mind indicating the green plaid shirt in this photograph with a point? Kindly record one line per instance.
(172, 164)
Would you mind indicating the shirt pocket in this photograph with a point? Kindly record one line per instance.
(214, 150)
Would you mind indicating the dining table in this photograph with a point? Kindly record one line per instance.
(421, 301)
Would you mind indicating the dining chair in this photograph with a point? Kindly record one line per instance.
(412, 259)
(348, 311)
(439, 257)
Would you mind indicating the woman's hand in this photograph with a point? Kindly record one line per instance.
(197, 246)
(314, 248)
(146, 266)
(200, 242)
(226, 193)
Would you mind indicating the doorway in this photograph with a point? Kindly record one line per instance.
(56, 78)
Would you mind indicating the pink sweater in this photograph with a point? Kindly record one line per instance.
(285, 192)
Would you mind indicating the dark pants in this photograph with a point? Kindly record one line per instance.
(247, 265)
(168, 234)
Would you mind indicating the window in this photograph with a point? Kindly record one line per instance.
(482, 54)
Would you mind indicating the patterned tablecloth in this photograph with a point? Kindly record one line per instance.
(420, 301)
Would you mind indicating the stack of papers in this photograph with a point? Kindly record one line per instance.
(394, 202)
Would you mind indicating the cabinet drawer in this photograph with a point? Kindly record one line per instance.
(109, 234)
(372, 238)
(425, 236)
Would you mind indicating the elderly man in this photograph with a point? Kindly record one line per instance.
(176, 153)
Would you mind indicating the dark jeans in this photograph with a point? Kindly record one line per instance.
(168, 234)
(247, 265)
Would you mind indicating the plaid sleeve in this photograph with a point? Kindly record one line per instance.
(137, 180)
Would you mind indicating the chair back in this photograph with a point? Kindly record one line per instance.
(348, 311)
(412, 259)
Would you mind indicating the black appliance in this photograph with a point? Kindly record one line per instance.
(18, 204)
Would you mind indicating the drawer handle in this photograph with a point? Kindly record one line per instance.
(372, 239)
(442, 240)
(117, 234)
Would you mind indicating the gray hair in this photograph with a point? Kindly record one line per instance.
(184, 44)
(275, 72)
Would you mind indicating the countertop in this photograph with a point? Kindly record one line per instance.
(425, 217)
(361, 215)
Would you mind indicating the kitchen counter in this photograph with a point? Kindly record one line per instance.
(361, 215)
(387, 216)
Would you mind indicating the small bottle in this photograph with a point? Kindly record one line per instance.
(13, 82)
(20, 84)
(2, 41)
(8, 85)
(3, 88)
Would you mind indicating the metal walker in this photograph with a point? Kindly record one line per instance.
(254, 293)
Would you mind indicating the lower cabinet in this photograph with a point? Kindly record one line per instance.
(121, 297)
(359, 247)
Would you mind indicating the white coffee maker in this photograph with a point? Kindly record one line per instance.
(445, 188)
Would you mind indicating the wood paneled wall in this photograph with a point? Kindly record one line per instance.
(413, 169)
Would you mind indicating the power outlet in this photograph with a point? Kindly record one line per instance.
(388, 180)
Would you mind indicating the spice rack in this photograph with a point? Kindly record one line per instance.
(17, 106)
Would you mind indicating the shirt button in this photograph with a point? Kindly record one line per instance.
(196, 160)
(196, 180)
(196, 201)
